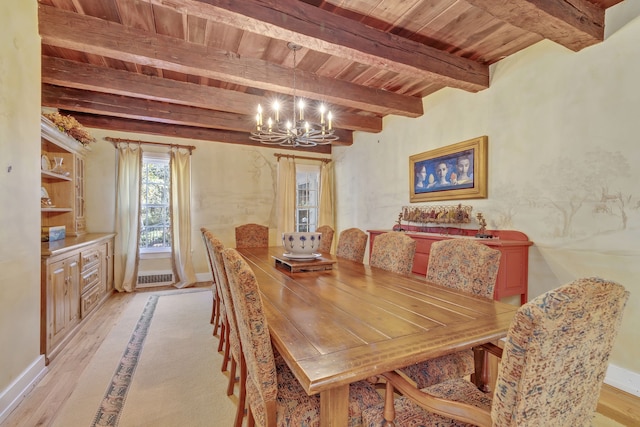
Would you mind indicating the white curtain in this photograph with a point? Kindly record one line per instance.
(180, 205)
(286, 196)
(127, 216)
(326, 208)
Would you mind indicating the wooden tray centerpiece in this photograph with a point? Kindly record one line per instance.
(318, 263)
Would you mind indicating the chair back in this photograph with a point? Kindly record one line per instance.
(394, 252)
(327, 238)
(225, 293)
(465, 265)
(262, 386)
(205, 235)
(556, 353)
(252, 236)
(352, 243)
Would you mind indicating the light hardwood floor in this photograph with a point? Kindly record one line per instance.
(41, 404)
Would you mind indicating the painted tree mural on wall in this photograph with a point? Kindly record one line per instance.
(593, 180)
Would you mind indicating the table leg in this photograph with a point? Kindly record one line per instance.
(481, 376)
(334, 407)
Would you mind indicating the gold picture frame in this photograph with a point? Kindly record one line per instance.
(457, 171)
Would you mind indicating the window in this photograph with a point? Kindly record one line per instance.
(155, 219)
(307, 184)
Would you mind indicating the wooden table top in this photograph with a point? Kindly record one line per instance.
(341, 325)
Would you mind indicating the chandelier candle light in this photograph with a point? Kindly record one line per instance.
(296, 132)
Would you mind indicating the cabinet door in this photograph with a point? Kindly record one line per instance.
(63, 305)
(106, 252)
(73, 302)
(81, 221)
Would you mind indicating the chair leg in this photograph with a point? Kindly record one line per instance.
(216, 321)
(251, 421)
(213, 306)
(227, 347)
(232, 376)
(222, 332)
(242, 392)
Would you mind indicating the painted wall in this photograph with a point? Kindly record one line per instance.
(19, 196)
(563, 146)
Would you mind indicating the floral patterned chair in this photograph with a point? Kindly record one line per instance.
(252, 236)
(553, 364)
(237, 358)
(352, 243)
(274, 395)
(327, 238)
(219, 312)
(465, 265)
(215, 309)
(394, 252)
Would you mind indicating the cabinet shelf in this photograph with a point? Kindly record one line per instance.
(53, 175)
(65, 189)
(56, 209)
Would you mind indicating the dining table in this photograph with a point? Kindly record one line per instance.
(351, 322)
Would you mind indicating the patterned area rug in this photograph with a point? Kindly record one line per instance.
(157, 367)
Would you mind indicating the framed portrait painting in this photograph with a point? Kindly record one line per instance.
(457, 171)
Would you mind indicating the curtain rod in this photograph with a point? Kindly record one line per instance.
(114, 141)
(292, 156)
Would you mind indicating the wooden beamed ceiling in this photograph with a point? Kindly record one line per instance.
(199, 68)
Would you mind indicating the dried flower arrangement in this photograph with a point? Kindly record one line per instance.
(71, 126)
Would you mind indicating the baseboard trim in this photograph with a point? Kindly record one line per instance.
(16, 392)
(623, 379)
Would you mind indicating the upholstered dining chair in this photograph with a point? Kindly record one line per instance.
(274, 395)
(252, 236)
(327, 238)
(221, 312)
(554, 361)
(237, 358)
(393, 251)
(465, 265)
(215, 317)
(352, 243)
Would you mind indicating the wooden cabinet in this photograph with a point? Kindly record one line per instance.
(513, 274)
(77, 276)
(65, 187)
(63, 291)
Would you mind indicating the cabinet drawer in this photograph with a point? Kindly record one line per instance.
(89, 258)
(89, 278)
(90, 300)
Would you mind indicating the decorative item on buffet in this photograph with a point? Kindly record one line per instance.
(442, 214)
(482, 231)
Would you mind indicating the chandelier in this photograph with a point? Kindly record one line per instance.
(295, 131)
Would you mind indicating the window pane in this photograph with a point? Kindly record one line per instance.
(307, 184)
(155, 220)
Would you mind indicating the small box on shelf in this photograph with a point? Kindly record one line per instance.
(51, 234)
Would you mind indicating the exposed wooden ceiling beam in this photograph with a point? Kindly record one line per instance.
(151, 128)
(83, 33)
(141, 109)
(323, 31)
(575, 24)
(62, 72)
(78, 100)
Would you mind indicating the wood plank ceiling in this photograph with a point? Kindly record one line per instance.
(198, 68)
